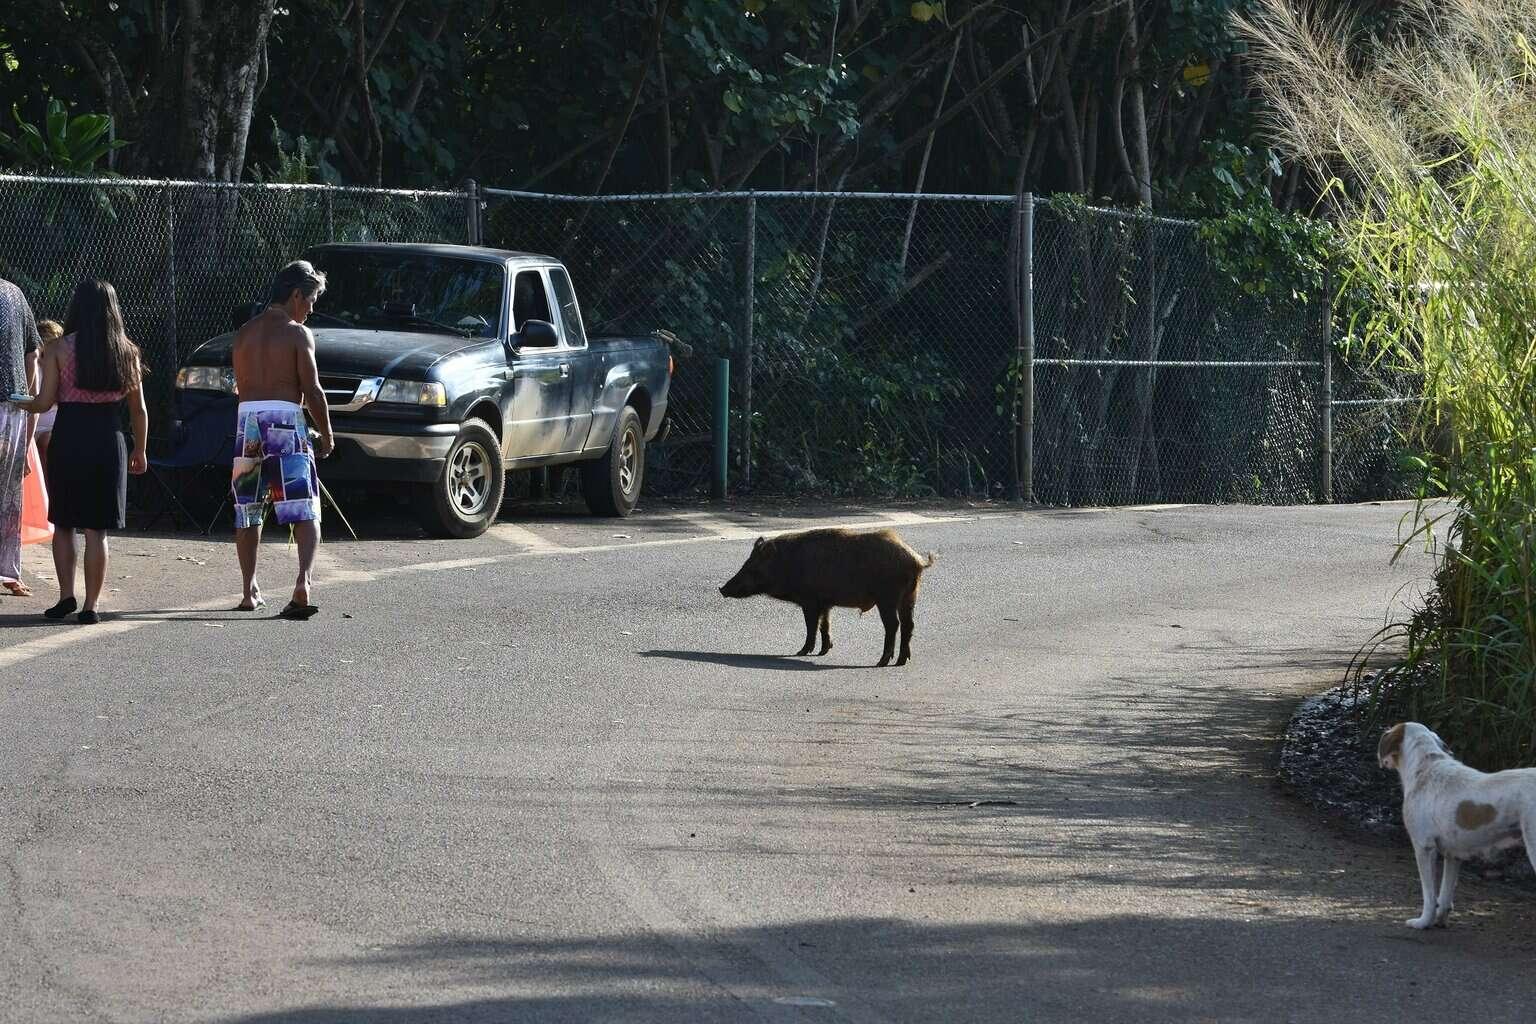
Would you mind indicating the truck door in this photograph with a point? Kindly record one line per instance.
(540, 403)
(580, 366)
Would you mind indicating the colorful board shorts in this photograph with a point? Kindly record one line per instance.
(275, 463)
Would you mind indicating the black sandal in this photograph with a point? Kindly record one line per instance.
(61, 609)
(295, 612)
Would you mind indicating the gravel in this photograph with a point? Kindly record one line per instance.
(1328, 759)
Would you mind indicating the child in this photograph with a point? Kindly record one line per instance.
(50, 331)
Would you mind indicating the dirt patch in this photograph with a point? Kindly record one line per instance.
(1328, 760)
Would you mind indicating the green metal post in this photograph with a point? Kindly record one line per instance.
(722, 426)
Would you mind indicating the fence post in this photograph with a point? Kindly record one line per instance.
(1326, 455)
(472, 211)
(749, 281)
(1026, 351)
(170, 266)
(721, 426)
(330, 214)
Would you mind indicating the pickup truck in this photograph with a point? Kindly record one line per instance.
(445, 366)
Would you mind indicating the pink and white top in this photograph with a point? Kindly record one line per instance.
(68, 391)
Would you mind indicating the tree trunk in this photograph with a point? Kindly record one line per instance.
(1141, 152)
(221, 47)
(922, 169)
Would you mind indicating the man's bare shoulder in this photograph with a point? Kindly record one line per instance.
(274, 333)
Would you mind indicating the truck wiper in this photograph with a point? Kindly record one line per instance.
(426, 321)
(331, 319)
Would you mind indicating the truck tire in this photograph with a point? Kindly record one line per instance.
(611, 484)
(466, 496)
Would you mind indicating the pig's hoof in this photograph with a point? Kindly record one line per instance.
(802, 652)
(883, 662)
(824, 650)
(902, 661)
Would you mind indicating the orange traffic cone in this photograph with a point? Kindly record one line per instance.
(35, 527)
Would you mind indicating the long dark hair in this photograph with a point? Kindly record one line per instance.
(105, 360)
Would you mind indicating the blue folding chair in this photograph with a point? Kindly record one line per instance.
(204, 437)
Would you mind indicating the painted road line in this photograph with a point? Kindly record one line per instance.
(717, 525)
(522, 537)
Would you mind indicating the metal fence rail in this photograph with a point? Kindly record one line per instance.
(877, 340)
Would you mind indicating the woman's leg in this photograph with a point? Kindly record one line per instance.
(64, 560)
(95, 566)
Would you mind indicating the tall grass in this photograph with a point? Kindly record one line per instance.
(1428, 135)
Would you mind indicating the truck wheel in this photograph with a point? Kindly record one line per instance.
(611, 484)
(464, 499)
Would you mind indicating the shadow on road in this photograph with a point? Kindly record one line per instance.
(781, 662)
(1115, 968)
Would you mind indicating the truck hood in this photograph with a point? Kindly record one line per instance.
(366, 353)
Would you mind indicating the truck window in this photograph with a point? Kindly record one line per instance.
(529, 301)
(575, 333)
(414, 291)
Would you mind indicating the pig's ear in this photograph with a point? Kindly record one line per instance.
(759, 543)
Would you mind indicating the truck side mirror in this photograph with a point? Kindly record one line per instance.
(535, 334)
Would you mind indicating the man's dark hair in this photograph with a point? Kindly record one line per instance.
(299, 275)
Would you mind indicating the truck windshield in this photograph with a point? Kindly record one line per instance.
(410, 291)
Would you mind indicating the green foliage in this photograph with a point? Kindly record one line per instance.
(61, 144)
(1438, 215)
(298, 161)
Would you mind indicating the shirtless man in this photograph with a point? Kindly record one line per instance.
(277, 381)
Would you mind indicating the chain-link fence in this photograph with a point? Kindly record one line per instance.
(1158, 377)
(183, 255)
(877, 342)
(877, 346)
(869, 336)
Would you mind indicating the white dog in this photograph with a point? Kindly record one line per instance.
(1454, 812)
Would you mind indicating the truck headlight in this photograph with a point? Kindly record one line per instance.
(413, 392)
(206, 378)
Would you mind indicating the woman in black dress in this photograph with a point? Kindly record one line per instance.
(90, 373)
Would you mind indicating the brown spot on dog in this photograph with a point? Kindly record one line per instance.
(1391, 746)
(1470, 814)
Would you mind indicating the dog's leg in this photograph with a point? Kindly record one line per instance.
(1450, 868)
(1427, 858)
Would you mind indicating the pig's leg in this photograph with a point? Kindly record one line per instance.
(889, 617)
(826, 630)
(908, 603)
(812, 616)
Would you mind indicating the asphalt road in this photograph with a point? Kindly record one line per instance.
(552, 775)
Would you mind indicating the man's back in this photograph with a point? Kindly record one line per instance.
(266, 355)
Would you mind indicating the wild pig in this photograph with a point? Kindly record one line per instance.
(824, 569)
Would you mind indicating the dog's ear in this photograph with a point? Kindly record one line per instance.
(1389, 751)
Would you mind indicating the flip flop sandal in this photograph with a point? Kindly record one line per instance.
(295, 612)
